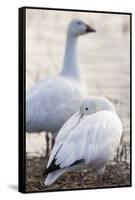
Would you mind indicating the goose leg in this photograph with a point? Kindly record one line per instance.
(47, 144)
(53, 141)
(100, 173)
(99, 180)
(82, 178)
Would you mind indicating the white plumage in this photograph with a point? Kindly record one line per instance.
(87, 139)
(52, 101)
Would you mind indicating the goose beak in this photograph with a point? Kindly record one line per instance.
(89, 29)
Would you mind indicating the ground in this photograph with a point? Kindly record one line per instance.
(116, 174)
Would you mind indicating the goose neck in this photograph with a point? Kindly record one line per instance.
(70, 67)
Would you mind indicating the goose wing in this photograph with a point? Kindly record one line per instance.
(93, 138)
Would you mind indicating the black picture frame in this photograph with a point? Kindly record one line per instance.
(22, 94)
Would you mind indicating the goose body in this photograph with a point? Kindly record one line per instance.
(48, 110)
(52, 101)
(87, 139)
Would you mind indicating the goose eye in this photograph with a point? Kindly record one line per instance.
(86, 108)
(79, 23)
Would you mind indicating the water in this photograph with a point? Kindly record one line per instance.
(104, 61)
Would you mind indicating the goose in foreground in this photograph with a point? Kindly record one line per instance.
(87, 139)
(51, 102)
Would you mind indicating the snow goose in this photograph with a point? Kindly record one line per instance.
(52, 101)
(87, 139)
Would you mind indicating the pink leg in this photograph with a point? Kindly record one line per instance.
(82, 178)
(53, 142)
(100, 173)
(99, 179)
(47, 144)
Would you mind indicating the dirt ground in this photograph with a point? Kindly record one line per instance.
(116, 174)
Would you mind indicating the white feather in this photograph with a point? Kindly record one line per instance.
(92, 139)
(53, 176)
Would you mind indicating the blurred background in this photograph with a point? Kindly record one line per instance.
(104, 62)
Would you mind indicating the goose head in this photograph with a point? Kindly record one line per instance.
(77, 27)
(94, 104)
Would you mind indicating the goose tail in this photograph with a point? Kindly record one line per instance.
(51, 178)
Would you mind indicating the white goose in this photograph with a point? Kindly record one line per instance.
(87, 139)
(52, 101)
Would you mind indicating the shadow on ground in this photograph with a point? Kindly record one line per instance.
(13, 187)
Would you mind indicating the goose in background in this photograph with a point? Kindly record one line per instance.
(87, 139)
(51, 102)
